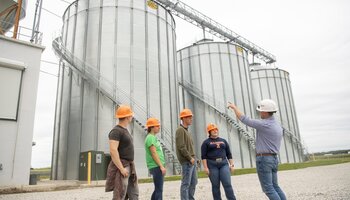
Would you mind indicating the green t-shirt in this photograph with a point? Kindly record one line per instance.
(149, 141)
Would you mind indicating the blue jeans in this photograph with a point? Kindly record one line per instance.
(189, 181)
(158, 180)
(220, 172)
(267, 167)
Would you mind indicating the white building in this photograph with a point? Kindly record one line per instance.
(19, 75)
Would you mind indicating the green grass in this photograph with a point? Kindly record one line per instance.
(41, 170)
(312, 164)
(319, 161)
(345, 156)
(44, 173)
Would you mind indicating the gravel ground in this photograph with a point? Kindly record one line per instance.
(327, 182)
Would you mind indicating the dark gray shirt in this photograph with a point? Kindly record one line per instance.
(126, 145)
(269, 133)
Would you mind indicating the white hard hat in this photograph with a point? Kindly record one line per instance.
(267, 105)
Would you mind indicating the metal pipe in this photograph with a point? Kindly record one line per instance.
(33, 29)
(89, 168)
(18, 13)
(36, 23)
(203, 27)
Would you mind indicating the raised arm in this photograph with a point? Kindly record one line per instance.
(255, 123)
(238, 113)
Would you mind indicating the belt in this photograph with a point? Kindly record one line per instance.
(266, 154)
(217, 159)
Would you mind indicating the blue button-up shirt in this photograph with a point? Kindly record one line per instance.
(269, 133)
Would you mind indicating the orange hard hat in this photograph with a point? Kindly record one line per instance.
(185, 113)
(211, 127)
(123, 111)
(151, 122)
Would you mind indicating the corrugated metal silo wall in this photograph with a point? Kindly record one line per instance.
(275, 84)
(133, 46)
(220, 71)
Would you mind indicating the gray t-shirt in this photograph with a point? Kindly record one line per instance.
(126, 145)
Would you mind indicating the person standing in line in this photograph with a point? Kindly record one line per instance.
(269, 134)
(155, 158)
(121, 173)
(185, 155)
(218, 163)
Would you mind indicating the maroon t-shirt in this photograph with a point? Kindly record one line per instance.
(126, 146)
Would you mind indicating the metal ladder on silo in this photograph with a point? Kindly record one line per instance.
(107, 89)
(294, 139)
(208, 101)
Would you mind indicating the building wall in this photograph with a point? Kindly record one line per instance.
(16, 134)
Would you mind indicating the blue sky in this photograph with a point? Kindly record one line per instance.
(311, 40)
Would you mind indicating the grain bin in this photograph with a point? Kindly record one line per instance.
(274, 83)
(218, 73)
(131, 44)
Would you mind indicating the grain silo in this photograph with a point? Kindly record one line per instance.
(211, 74)
(273, 83)
(113, 52)
(8, 13)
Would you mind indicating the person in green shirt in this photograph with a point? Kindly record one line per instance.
(155, 158)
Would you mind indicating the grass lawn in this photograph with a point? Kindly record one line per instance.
(316, 161)
(44, 173)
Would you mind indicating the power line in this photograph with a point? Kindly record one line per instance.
(50, 62)
(51, 12)
(65, 1)
(49, 73)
